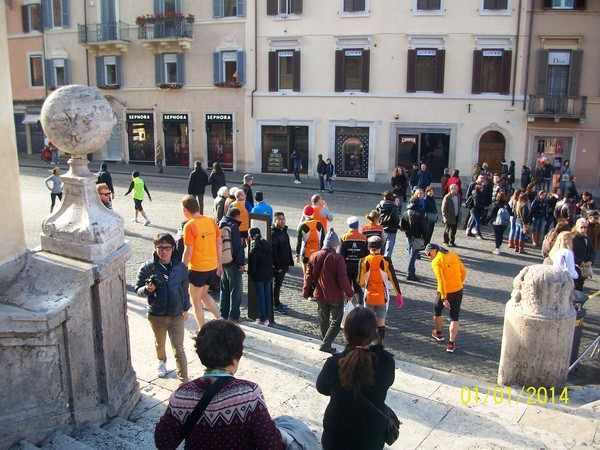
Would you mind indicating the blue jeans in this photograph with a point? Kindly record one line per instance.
(263, 298)
(400, 206)
(475, 221)
(230, 296)
(512, 234)
(330, 184)
(519, 230)
(389, 240)
(412, 258)
(538, 224)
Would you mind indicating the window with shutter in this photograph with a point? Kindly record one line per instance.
(491, 71)
(36, 71)
(228, 8)
(31, 17)
(229, 68)
(55, 13)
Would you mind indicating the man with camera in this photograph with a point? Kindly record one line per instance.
(163, 280)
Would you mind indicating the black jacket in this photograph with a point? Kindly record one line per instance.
(249, 195)
(216, 181)
(260, 261)
(389, 219)
(173, 298)
(282, 249)
(105, 177)
(414, 222)
(236, 240)
(321, 167)
(197, 182)
(583, 249)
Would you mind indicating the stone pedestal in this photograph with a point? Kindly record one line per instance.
(64, 345)
(538, 329)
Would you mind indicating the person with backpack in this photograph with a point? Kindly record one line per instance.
(234, 265)
(539, 209)
(499, 216)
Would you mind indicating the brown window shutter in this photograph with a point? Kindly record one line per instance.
(579, 4)
(298, 7)
(477, 67)
(25, 18)
(411, 71)
(366, 62)
(440, 63)
(547, 4)
(272, 7)
(575, 73)
(542, 72)
(505, 76)
(296, 60)
(339, 71)
(273, 72)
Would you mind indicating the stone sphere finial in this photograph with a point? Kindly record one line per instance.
(77, 119)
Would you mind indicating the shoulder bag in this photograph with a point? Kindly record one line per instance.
(392, 423)
(192, 420)
(313, 283)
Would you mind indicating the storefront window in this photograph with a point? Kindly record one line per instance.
(140, 136)
(278, 143)
(219, 134)
(432, 149)
(352, 151)
(551, 148)
(176, 144)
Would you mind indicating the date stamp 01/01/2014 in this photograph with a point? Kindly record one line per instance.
(497, 395)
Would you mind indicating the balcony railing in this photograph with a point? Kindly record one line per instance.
(102, 32)
(557, 107)
(166, 30)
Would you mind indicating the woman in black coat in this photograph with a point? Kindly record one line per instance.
(360, 370)
(216, 179)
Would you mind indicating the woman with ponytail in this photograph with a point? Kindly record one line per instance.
(363, 370)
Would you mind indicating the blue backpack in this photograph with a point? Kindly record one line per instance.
(502, 217)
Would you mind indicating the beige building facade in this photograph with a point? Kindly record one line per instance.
(370, 84)
(564, 89)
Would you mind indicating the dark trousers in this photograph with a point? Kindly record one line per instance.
(321, 182)
(297, 174)
(450, 232)
(200, 198)
(499, 234)
(329, 328)
(277, 283)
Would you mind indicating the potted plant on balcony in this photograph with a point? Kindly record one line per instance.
(140, 20)
(150, 18)
(174, 17)
(190, 18)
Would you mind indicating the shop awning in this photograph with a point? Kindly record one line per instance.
(30, 119)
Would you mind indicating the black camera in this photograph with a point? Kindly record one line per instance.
(156, 281)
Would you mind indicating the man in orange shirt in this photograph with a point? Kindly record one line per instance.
(450, 273)
(321, 211)
(202, 255)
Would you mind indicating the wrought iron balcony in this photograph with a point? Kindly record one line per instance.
(541, 106)
(102, 32)
(164, 34)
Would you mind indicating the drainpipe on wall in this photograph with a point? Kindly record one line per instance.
(529, 39)
(87, 62)
(255, 59)
(516, 53)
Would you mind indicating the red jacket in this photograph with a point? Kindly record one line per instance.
(333, 285)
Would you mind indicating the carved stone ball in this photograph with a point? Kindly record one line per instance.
(77, 119)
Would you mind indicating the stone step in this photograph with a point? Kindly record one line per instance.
(131, 432)
(60, 441)
(24, 445)
(100, 439)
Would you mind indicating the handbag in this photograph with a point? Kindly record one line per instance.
(586, 271)
(392, 423)
(313, 284)
(193, 418)
(417, 244)
(432, 217)
(348, 308)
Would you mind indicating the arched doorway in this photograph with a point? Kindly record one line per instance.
(492, 146)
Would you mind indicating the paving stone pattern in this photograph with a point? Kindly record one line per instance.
(488, 284)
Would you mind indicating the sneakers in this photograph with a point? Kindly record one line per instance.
(264, 323)
(297, 182)
(281, 309)
(161, 370)
(146, 223)
(437, 335)
(496, 251)
(468, 232)
(328, 349)
(258, 322)
(412, 278)
(451, 346)
(479, 236)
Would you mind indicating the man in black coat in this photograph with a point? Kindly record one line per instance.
(414, 225)
(105, 177)
(583, 250)
(247, 188)
(197, 184)
(282, 257)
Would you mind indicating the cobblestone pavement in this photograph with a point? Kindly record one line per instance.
(488, 284)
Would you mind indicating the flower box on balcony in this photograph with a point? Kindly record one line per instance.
(229, 84)
(109, 86)
(168, 86)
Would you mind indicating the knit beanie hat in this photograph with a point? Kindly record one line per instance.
(352, 222)
(331, 239)
(309, 211)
